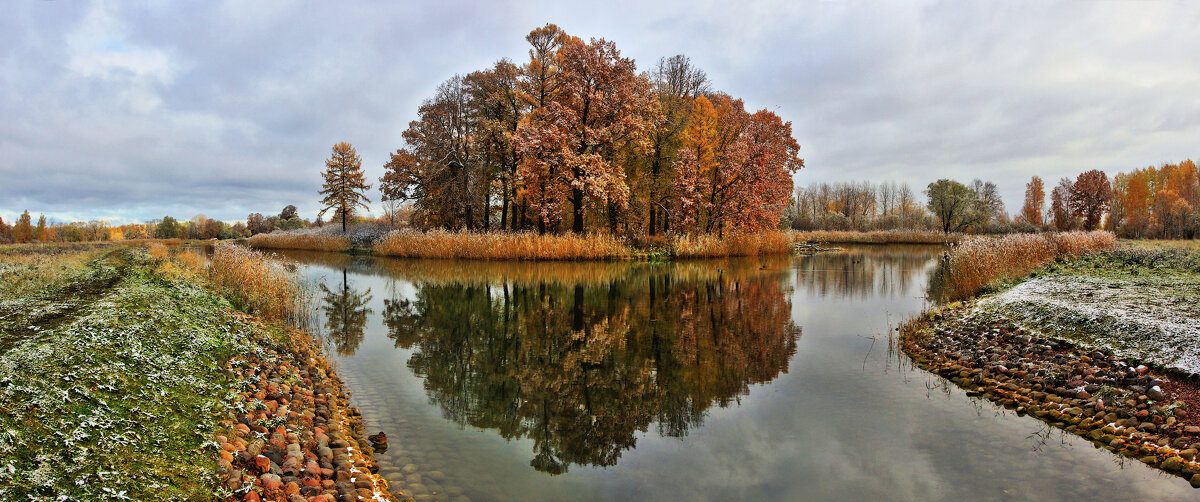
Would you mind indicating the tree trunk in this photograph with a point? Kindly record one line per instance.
(504, 211)
(577, 209)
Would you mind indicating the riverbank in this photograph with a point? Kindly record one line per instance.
(1102, 345)
(121, 377)
(380, 240)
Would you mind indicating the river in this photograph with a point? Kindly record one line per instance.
(745, 379)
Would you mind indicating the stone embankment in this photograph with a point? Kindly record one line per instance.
(294, 437)
(1149, 414)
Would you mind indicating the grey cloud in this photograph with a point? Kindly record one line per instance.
(133, 112)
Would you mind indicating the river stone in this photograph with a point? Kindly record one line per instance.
(1172, 463)
(409, 468)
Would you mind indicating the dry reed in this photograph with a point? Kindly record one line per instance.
(877, 237)
(158, 251)
(300, 240)
(746, 244)
(441, 244)
(259, 285)
(980, 261)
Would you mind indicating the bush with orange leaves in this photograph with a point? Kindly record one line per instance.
(980, 261)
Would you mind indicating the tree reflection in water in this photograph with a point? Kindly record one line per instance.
(346, 315)
(864, 271)
(581, 367)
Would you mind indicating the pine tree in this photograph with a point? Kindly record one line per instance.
(345, 187)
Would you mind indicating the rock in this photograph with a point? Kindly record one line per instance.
(1196, 481)
(1156, 393)
(1172, 463)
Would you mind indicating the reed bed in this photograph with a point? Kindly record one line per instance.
(980, 261)
(158, 251)
(746, 244)
(313, 241)
(877, 237)
(256, 284)
(441, 244)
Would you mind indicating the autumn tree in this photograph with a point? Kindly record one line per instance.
(734, 171)
(5, 232)
(677, 84)
(168, 228)
(344, 188)
(1060, 211)
(955, 205)
(567, 147)
(497, 107)
(1090, 197)
(23, 230)
(1035, 200)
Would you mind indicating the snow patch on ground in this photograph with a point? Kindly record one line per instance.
(1151, 318)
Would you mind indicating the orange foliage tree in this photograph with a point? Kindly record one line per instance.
(567, 147)
(1035, 200)
(734, 171)
(344, 187)
(1090, 197)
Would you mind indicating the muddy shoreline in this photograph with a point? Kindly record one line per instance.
(1151, 414)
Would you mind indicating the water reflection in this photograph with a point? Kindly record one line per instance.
(863, 272)
(580, 368)
(346, 315)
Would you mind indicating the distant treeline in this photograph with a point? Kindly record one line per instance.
(1154, 202)
(27, 229)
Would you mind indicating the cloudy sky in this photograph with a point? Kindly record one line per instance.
(129, 111)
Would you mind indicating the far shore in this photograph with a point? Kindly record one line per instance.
(440, 244)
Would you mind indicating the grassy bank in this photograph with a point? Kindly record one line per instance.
(124, 378)
(1093, 337)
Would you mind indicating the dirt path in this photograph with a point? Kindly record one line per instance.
(27, 319)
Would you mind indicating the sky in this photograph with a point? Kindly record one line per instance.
(134, 110)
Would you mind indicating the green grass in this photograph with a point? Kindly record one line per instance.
(122, 397)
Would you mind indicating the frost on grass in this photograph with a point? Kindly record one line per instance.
(1153, 318)
(119, 402)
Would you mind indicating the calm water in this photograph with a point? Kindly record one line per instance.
(749, 379)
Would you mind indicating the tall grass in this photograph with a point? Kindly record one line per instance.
(442, 244)
(256, 284)
(877, 237)
(314, 241)
(980, 261)
(746, 244)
